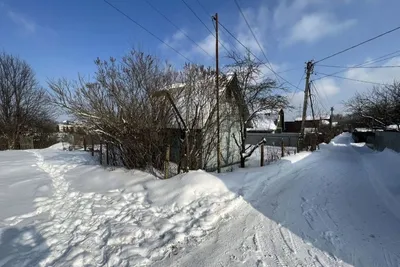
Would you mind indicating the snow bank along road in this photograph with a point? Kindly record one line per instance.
(339, 206)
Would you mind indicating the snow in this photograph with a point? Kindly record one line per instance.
(393, 127)
(310, 118)
(363, 130)
(263, 123)
(95, 216)
(338, 206)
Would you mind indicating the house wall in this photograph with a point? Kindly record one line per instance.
(230, 152)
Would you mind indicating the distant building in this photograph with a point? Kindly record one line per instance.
(69, 127)
(309, 124)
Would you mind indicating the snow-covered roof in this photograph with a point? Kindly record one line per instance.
(326, 122)
(201, 96)
(363, 130)
(392, 127)
(176, 85)
(263, 125)
(310, 118)
(264, 122)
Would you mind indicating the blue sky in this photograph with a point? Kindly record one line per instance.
(63, 38)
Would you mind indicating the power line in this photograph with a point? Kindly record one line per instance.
(254, 35)
(376, 60)
(203, 7)
(234, 48)
(195, 14)
(287, 70)
(177, 27)
(354, 67)
(359, 44)
(148, 31)
(325, 98)
(298, 84)
(249, 51)
(202, 22)
(356, 80)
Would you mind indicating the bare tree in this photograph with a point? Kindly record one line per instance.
(24, 105)
(119, 106)
(254, 95)
(379, 106)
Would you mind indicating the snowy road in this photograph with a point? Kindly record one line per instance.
(339, 206)
(325, 210)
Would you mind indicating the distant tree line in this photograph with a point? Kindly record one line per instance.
(378, 107)
(133, 104)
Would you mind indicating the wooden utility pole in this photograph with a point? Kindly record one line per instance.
(309, 70)
(331, 118)
(217, 92)
(262, 155)
(314, 122)
(312, 109)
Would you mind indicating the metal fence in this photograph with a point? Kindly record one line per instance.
(387, 140)
(379, 140)
(288, 139)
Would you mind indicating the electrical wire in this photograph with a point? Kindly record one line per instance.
(254, 36)
(249, 51)
(148, 31)
(288, 70)
(202, 22)
(366, 67)
(350, 79)
(203, 7)
(359, 44)
(323, 99)
(297, 89)
(177, 27)
(376, 60)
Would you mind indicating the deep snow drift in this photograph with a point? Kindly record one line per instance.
(338, 206)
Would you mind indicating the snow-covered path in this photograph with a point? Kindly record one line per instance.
(320, 211)
(339, 206)
(119, 225)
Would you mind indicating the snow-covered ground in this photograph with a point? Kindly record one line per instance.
(339, 206)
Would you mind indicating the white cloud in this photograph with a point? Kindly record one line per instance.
(315, 26)
(207, 44)
(287, 13)
(19, 19)
(328, 87)
(378, 75)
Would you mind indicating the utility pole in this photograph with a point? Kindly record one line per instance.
(309, 70)
(217, 92)
(312, 108)
(314, 122)
(331, 118)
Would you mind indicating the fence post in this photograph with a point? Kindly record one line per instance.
(166, 163)
(107, 153)
(101, 153)
(282, 149)
(262, 155)
(91, 137)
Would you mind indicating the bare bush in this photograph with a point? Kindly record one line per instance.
(379, 107)
(119, 106)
